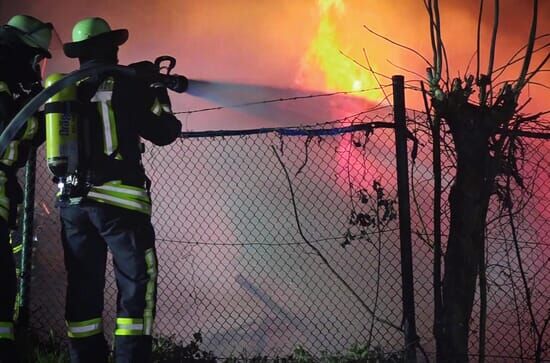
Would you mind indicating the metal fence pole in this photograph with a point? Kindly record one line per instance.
(409, 323)
(27, 239)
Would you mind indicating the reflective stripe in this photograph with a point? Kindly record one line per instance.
(108, 139)
(12, 151)
(166, 108)
(120, 195)
(142, 199)
(4, 212)
(120, 202)
(85, 328)
(156, 108)
(118, 183)
(103, 97)
(129, 326)
(4, 88)
(6, 330)
(112, 128)
(152, 272)
(123, 193)
(10, 155)
(30, 131)
(4, 201)
(17, 249)
(140, 194)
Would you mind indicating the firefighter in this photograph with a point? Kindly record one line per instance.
(105, 203)
(24, 43)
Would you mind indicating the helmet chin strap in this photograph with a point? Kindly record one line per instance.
(35, 63)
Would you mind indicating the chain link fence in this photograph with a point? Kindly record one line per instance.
(274, 239)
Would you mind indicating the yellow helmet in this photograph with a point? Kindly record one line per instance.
(93, 32)
(32, 32)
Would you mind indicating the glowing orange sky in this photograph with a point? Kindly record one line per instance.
(269, 42)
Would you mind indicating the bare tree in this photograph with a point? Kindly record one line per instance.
(485, 135)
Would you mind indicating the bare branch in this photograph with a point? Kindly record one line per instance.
(469, 64)
(528, 293)
(540, 84)
(398, 44)
(429, 8)
(437, 45)
(514, 60)
(405, 69)
(538, 69)
(478, 49)
(493, 39)
(374, 75)
(363, 66)
(521, 107)
(321, 256)
(446, 60)
(529, 51)
(492, 49)
(438, 37)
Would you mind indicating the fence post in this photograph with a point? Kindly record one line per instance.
(407, 281)
(27, 239)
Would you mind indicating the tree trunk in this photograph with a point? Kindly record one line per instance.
(469, 201)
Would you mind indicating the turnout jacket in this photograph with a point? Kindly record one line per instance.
(115, 112)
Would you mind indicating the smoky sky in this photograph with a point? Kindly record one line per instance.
(264, 42)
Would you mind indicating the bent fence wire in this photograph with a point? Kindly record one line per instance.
(272, 239)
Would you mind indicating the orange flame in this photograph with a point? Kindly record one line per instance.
(339, 73)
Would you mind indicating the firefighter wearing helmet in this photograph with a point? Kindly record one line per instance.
(24, 42)
(104, 196)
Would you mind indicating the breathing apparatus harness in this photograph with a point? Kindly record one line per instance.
(61, 111)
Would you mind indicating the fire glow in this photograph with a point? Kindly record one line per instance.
(325, 51)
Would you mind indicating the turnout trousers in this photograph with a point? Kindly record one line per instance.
(8, 290)
(88, 230)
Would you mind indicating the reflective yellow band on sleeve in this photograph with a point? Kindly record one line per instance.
(6, 330)
(83, 329)
(17, 249)
(129, 326)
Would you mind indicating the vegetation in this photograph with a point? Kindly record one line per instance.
(171, 350)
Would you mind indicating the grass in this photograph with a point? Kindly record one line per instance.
(171, 350)
(34, 350)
